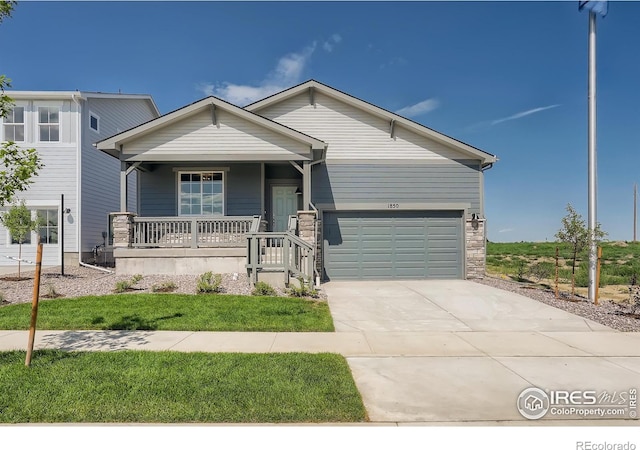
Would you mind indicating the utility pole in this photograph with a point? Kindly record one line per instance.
(594, 7)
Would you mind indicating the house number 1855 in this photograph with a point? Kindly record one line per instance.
(394, 205)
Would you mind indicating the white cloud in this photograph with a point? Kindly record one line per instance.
(506, 230)
(422, 107)
(523, 114)
(288, 72)
(329, 44)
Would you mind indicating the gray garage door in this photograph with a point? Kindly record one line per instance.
(392, 244)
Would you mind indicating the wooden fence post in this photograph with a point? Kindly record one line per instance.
(556, 272)
(34, 304)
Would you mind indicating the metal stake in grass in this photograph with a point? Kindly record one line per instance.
(34, 304)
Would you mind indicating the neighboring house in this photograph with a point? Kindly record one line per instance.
(62, 127)
(377, 195)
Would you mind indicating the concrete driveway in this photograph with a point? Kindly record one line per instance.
(442, 305)
(457, 351)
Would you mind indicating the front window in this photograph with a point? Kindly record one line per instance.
(14, 125)
(48, 225)
(201, 194)
(49, 123)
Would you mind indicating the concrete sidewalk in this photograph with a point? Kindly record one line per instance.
(351, 344)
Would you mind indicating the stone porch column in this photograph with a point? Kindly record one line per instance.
(476, 248)
(123, 229)
(308, 230)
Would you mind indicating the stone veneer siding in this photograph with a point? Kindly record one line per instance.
(476, 248)
(123, 229)
(309, 230)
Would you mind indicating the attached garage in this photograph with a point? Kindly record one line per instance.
(393, 244)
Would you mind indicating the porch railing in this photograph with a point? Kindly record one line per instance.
(279, 252)
(193, 232)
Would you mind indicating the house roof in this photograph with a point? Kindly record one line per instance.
(80, 95)
(485, 157)
(112, 144)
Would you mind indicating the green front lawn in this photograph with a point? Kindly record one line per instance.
(169, 387)
(173, 312)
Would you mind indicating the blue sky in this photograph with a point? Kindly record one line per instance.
(507, 77)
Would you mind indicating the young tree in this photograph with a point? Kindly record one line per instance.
(17, 166)
(575, 233)
(20, 224)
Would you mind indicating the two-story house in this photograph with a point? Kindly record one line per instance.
(79, 186)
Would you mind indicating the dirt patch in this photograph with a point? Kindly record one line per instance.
(15, 278)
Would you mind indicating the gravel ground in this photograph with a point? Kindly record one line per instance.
(619, 316)
(79, 281)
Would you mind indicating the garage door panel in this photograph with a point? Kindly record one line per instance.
(393, 244)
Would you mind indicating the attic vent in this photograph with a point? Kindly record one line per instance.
(94, 122)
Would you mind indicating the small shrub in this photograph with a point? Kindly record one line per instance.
(136, 278)
(305, 290)
(126, 285)
(2, 300)
(520, 266)
(209, 283)
(122, 286)
(167, 286)
(263, 288)
(541, 269)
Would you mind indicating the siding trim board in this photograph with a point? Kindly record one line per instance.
(400, 206)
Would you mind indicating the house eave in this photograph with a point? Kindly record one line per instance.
(228, 157)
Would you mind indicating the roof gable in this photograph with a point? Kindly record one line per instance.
(215, 108)
(312, 87)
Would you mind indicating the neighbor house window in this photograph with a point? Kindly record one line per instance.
(94, 122)
(14, 125)
(201, 193)
(48, 225)
(49, 123)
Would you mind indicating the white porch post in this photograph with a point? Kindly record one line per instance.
(123, 186)
(306, 185)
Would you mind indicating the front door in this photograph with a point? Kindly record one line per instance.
(284, 202)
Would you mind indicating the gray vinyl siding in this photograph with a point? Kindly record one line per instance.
(452, 182)
(197, 135)
(243, 190)
(101, 172)
(353, 133)
(158, 189)
(57, 177)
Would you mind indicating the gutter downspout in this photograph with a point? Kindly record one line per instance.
(78, 181)
(90, 266)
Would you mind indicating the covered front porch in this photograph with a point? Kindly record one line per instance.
(218, 189)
